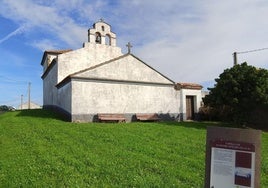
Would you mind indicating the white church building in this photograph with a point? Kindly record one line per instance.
(99, 78)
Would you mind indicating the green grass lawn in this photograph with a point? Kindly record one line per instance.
(37, 149)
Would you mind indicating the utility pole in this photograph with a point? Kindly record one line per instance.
(29, 95)
(21, 101)
(235, 58)
(245, 52)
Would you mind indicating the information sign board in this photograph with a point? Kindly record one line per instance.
(233, 158)
(232, 164)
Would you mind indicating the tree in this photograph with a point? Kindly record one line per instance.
(3, 108)
(238, 92)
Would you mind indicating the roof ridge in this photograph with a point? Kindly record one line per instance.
(98, 65)
(152, 68)
(187, 85)
(54, 52)
(58, 51)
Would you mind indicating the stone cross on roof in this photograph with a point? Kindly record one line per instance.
(128, 47)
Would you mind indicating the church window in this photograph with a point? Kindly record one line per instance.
(102, 28)
(107, 40)
(98, 38)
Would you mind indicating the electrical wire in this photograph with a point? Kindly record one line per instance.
(249, 51)
(5, 79)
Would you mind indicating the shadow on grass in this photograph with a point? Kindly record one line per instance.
(197, 124)
(50, 114)
(41, 113)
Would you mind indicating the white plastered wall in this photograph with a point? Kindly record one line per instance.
(126, 68)
(90, 55)
(90, 97)
(65, 97)
(197, 94)
(49, 87)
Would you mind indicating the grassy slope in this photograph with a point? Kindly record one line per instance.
(39, 150)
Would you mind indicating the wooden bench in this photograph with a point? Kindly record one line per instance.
(147, 117)
(111, 118)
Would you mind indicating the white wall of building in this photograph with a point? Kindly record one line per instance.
(65, 97)
(127, 68)
(90, 97)
(49, 86)
(77, 60)
(103, 80)
(197, 94)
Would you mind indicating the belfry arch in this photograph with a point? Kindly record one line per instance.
(98, 38)
(108, 39)
(101, 34)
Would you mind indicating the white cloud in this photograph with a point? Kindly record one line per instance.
(45, 18)
(44, 44)
(186, 40)
(195, 41)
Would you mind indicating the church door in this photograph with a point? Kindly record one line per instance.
(189, 107)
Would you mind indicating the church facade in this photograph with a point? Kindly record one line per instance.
(99, 78)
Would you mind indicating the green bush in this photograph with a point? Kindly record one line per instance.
(238, 92)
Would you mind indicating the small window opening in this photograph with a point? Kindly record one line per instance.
(102, 28)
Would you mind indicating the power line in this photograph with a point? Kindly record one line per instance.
(11, 80)
(245, 52)
(249, 51)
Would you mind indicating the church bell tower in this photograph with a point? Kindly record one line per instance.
(101, 34)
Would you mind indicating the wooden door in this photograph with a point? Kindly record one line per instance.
(189, 107)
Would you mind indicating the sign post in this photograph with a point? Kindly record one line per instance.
(232, 158)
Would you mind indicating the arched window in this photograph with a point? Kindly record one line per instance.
(98, 38)
(102, 28)
(108, 40)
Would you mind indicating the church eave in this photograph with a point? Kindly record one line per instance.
(64, 82)
(53, 52)
(52, 64)
(106, 80)
(193, 86)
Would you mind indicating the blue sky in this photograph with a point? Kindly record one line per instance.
(188, 41)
